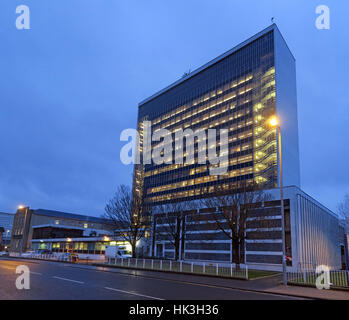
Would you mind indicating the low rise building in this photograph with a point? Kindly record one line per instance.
(49, 229)
(6, 222)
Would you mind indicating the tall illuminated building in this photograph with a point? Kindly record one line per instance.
(238, 91)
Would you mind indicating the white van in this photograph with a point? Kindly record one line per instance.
(117, 252)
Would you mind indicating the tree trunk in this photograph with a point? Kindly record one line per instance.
(236, 254)
(183, 239)
(176, 249)
(133, 245)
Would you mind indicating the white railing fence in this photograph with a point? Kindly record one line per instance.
(55, 257)
(204, 268)
(338, 278)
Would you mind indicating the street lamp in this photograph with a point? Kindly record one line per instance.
(274, 123)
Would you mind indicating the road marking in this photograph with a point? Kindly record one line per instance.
(133, 293)
(95, 268)
(38, 273)
(69, 280)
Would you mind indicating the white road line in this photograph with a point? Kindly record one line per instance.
(133, 293)
(38, 273)
(68, 280)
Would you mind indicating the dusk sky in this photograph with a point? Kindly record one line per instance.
(72, 83)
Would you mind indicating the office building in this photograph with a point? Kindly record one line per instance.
(238, 91)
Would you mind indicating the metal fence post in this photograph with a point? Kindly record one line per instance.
(180, 266)
(152, 264)
(160, 264)
(170, 265)
(231, 270)
(204, 268)
(246, 270)
(122, 262)
(143, 263)
(192, 267)
(217, 269)
(136, 263)
(128, 263)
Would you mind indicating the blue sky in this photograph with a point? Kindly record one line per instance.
(72, 83)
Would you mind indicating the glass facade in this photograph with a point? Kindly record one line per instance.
(236, 93)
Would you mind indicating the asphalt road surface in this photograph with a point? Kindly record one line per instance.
(56, 281)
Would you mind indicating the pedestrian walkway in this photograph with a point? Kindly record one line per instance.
(312, 293)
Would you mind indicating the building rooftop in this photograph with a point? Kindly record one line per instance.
(214, 61)
(9, 214)
(59, 214)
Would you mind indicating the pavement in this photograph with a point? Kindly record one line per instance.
(56, 281)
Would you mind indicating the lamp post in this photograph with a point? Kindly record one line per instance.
(273, 122)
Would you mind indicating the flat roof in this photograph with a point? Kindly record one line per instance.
(66, 215)
(58, 226)
(83, 239)
(210, 63)
(8, 214)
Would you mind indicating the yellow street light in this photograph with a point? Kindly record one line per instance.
(69, 240)
(273, 122)
(106, 238)
(20, 207)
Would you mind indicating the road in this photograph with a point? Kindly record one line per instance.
(57, 281)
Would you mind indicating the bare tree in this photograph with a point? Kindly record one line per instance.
(172, 218)
(230, 212)
(126, 211)
(343, 208)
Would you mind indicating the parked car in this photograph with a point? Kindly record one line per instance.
(3, 253)
(73, 257)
